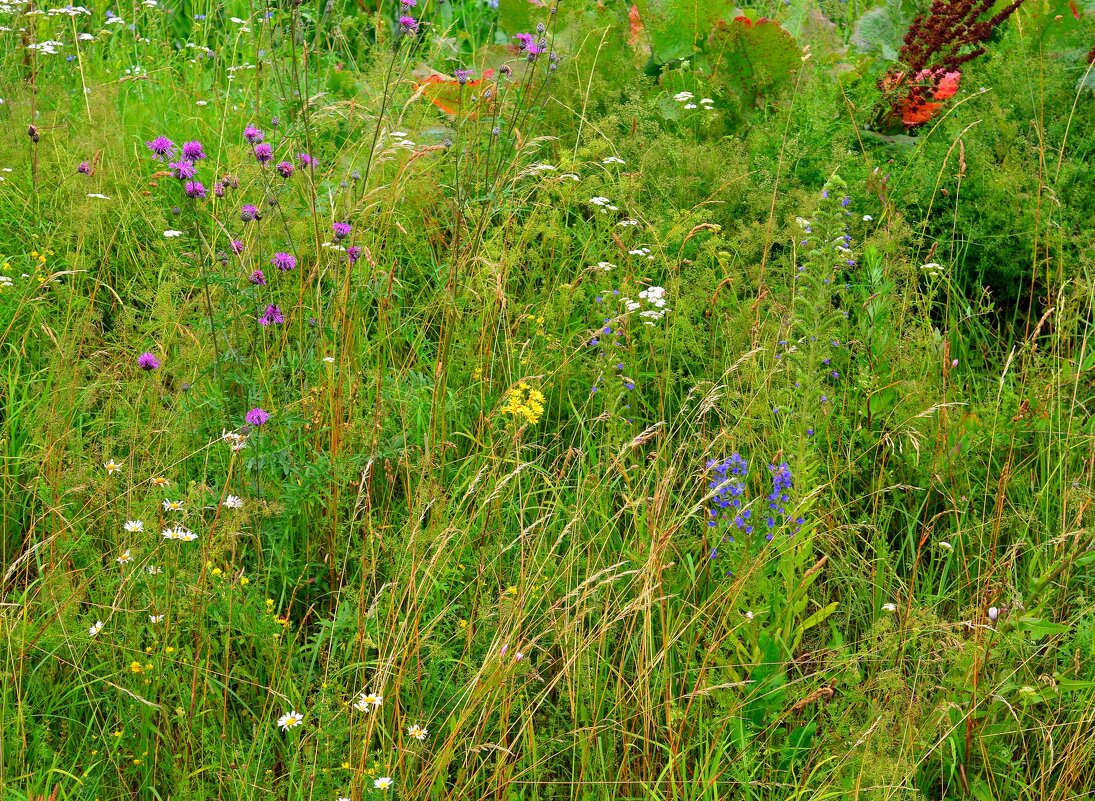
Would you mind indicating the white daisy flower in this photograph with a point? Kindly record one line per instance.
(383, 783)
(134, 526)
(154, 570)
(417, 732)
(290, 720)
(155, 618)
(113, 467)
(890, 607)
(96, 628)
(125, 558)
(185, 535)
(233, 502)
(368, 701)
(172, 506)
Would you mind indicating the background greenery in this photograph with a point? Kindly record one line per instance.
(414, 517)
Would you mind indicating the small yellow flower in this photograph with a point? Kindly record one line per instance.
(135, 667)
(511, 590)
(117, 733)
(345, 765)
(217, 571)
(463, 623)
(244, 581)
(170, 650)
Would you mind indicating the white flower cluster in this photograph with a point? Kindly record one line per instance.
(688, 99)
(655, 299)
(603, 203)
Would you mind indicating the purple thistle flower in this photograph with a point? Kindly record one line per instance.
(408, 24)
(408, 3)
(192, 151)
(84, 168)
(218, 189)
(253, 134)
(161, 147)
(353, 253)
(284, 262)
(307, 160)
(264, 153)
(272, 316)
(462, 76)
(257, 278)
(183, 170)
(148, 362)
(195, 189)
(257, 417)
(249, 212)
(285, 168)
(237, 246)
(341, 230)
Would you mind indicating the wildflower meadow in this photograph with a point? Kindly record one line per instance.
(547, 399)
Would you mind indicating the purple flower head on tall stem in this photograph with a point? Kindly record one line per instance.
(257, 278)
(284, 261)
(84, 168)
(264, 154)
(462, 76)
(192, 151)
(237, 246)
(341, 230)
(307, 160)
(183, 170)
(148, 362)
(249, 212)
(353, 253)
(161, 147)
(272, 316)
(195, 189)
(257, 417)
(408, 24)
(285, 169)
(253, 134)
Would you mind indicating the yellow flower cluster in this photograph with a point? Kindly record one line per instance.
(524, 401)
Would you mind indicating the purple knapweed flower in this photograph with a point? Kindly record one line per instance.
(341, 230)
(462, 76)
(257, 417)
(249, 212)
(353, 253)
(84, 168)
(257, 278)
(195, 189)
(408, 3)
(307, 160)
(284, 262)
(264, 153)
(253, 134)
(285, 168)
(237, 246)
(192, 151)
(218, 189)
(161, 147)
(148, 362)
(272, 316)
(183, 170)
(408, 24)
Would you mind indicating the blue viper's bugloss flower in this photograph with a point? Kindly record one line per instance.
(729, 485)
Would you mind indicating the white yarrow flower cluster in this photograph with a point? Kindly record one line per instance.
(603, 203)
